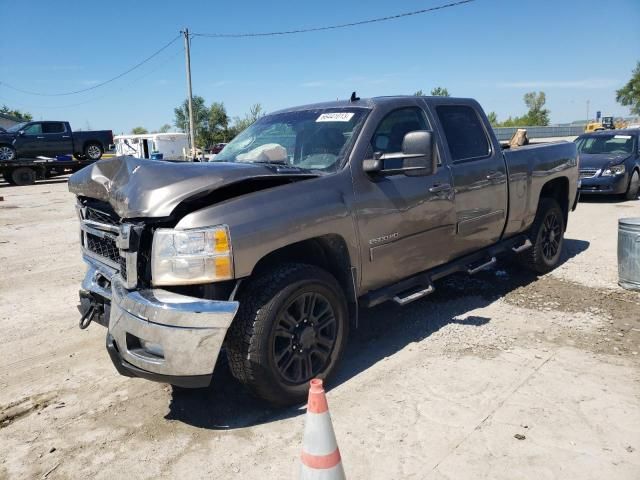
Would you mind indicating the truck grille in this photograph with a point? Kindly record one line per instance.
(105, 247)
(588, 172)
(100, 237)
(101, 217)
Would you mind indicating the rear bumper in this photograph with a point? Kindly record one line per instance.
(604, 185)
(166, 337)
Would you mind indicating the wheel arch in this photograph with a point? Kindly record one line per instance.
(557, 189)
(329, 252)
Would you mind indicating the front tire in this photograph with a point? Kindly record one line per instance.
(292, 326)
(634, 186)
(7, 153)
(93, 151)
(547, 236)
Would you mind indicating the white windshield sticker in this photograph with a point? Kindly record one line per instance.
(623, 136)
(335, 117)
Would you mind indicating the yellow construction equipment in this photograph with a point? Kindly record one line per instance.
(607, 123)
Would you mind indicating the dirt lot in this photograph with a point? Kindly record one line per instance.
(435, 390)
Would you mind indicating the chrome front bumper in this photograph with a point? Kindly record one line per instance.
(161, 335)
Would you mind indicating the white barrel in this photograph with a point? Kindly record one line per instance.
(629, 253)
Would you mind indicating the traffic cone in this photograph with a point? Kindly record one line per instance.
(320, 454)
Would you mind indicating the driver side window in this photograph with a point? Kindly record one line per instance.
(392, 129)
(33, 129)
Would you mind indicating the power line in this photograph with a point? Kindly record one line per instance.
(93, 87)
(333, 27)
(100, 97)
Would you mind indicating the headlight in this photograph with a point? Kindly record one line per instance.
(186, 257)
(613, 170)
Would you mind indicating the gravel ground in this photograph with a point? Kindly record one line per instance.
(439, 389)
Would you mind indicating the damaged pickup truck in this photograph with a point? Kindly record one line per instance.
(267, 253)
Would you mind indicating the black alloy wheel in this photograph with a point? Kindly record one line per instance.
(551, 235)
(304, 337)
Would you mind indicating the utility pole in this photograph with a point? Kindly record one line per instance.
(187, 51)
(587, 111)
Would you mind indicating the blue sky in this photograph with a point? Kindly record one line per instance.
(493, 50)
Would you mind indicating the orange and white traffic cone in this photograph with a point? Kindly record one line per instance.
(320, 454)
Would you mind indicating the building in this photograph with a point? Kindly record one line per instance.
(7, 121)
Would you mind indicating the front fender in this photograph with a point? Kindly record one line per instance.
(265, 221)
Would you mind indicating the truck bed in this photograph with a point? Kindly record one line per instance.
(529, 168)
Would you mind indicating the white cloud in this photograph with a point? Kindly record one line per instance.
(586, 83)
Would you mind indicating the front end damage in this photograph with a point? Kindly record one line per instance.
(152, 333)
(173, 334)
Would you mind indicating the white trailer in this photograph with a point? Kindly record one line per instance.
(172, 146)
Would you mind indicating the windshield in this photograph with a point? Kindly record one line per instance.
(17, 127)
(613, 144)
(309, 139)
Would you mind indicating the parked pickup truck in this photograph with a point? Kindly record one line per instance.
(49, 139)
(610, 162)
(308, 215)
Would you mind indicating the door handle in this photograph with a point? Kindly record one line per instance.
(40, 138)
(443, 187)
(65, 136)
(494, 175)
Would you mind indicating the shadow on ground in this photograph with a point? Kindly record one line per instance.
(382, 331)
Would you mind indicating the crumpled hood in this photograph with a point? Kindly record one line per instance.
(136, 187)
(601, 160)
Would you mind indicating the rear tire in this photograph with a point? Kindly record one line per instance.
(292, 326)
(634, 186)
(23, 176)
(7, 178)
(93, 151)
(547, 236)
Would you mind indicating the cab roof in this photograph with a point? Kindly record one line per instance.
(366, 103)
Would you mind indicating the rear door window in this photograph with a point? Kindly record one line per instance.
(53, 127)
(464, 131)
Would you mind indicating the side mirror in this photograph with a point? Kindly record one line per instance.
(21, 132)
(416, 158)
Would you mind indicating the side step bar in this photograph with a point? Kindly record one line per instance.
(525, 246)
(483, 266)
(413, 296)
(420, 285)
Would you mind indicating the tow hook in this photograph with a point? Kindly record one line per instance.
(86, 319)
(89, 307)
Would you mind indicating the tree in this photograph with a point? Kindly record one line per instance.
(218, 123)
(419, 93)
(629, 95)
(139, 131)
(537, 115)
(240, 124)
(200, 120)
(20, 115)
(440, 92)
(164, 128)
